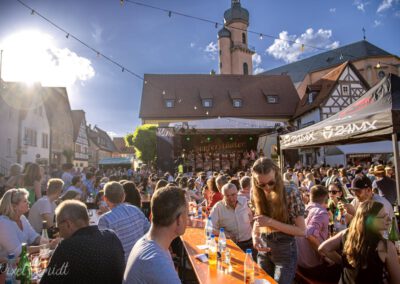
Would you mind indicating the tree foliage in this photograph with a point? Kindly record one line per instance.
(144, 141)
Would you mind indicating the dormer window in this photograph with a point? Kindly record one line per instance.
(207, 103)
(272, 99)
(237, 103)
(311, 97)
(169, 103)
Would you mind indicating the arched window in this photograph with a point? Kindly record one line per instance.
(244, 38)
(245, 69)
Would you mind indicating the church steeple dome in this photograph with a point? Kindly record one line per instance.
(236, 13)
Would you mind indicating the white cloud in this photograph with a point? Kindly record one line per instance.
(31, 56)
(397, 14)
(360, 4)
(212, 50)
(386, 4)
(288, 47)
(256, 59)
(97, 33)
(377, 23)
(258, 70)
(192, 44)
(332, 10)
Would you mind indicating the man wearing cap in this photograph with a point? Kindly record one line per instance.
(385, 185)
(362, 190)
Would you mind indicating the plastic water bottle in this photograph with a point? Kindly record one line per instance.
(199, 212)
(212, 252)
(209, 230)
(248, 268)
(11, 269)
(221, 241)
(277, 273)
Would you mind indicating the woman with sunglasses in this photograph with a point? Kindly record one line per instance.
(365, 254)
(339, 206)
(279, 218)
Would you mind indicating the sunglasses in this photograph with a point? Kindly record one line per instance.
(264, 185)
(333, 191)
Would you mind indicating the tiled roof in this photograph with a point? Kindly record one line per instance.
(96, 133)
(119, 143)
(352, 52)
(188, 91)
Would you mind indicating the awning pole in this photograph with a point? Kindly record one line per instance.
(396, 159)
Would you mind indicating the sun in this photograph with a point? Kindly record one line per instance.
(25, 56)
(33, 56)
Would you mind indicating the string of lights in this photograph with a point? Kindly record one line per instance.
(169, 13)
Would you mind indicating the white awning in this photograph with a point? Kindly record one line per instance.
(367, 148)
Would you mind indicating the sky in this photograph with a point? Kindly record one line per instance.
(145, 40)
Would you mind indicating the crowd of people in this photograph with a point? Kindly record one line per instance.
(329, 224)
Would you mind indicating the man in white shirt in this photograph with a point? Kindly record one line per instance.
(44, 208)
(234, 215)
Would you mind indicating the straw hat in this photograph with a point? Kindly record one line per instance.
(379, 169)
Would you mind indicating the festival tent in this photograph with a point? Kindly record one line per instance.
(373, 117)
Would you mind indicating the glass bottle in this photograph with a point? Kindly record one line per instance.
(393, 231)
(24, 271)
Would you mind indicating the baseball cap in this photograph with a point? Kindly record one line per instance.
(361, 183)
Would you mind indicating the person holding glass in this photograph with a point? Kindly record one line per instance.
(339, 206)
(279, 218)
(366, 257)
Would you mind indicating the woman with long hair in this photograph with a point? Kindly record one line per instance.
(215, 195)
(366, 255)
(339, 206)
(279, 218)
(33, 182)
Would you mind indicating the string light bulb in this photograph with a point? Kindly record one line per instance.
(163, 92)
(378, 65)
(67, 36)
(195, 107)
(121, 2)
(33, 12)
(261, 36)
(302, 47)
(341, 56)
(123, 69)
(216, 25)
(169, 14)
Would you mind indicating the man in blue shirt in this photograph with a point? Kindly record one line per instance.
(127, 221)
(150, 260)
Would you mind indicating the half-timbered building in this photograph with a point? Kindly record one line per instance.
(326, 97)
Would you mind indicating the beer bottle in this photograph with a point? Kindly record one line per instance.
(393, 231)
(24, 271)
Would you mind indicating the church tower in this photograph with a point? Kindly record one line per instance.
(235, 57)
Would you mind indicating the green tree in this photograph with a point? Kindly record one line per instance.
(144, 141)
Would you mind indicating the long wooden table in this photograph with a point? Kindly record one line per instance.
(195, 236)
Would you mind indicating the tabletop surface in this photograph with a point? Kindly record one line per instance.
(194, 236)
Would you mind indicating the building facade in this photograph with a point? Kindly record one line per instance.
(81, 139)
(58, 111)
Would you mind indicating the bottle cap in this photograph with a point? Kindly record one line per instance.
(221, 230)
(248, 250)
(11, 256)
(212, 236)
(209, 218)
